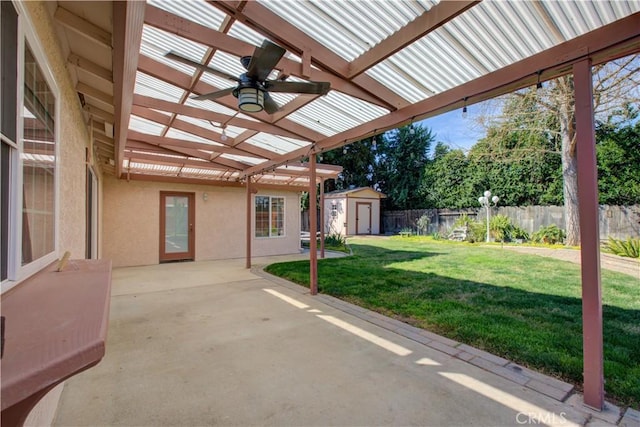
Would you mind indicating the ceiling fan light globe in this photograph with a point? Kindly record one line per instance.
(250, 99)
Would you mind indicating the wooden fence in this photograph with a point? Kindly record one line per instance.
(620, 222)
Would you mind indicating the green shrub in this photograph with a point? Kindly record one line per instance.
(551, 234)
(627, 248)
(423, 224)
(476, 232)
(501, 228)
(335, 239)
(436, 236)
(519, 233)
(463, 221)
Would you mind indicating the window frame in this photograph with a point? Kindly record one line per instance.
(16, 272)
(270, 212)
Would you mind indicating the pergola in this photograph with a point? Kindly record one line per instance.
(389, 64)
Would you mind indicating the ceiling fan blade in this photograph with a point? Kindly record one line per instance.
(187, 61)
(316, 88)
(270, 105)
(214, 95)
(264, 59)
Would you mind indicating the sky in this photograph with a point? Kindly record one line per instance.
(454, 130)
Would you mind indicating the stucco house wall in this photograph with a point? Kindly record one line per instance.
(72, 140)
(132, 222)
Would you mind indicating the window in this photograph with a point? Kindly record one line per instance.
(269, 216)
(38, 163)
(28, 125)
(8, 122)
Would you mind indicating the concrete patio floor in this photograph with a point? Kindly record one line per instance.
(212, 343)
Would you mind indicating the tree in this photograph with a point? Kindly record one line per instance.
(358, 162)
(615, 89)
(518, 159)
(446, 182)
(618, 153)
(400, 165)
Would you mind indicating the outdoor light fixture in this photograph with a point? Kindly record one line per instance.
(223, 137)
(539, 84)
(250, 95)
(374, 142)
(464, 108)
(485, 201)
(412, 131)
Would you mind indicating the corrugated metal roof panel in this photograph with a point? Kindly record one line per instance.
(156, 43)
(348, 28)
(243, 159)
(277, 144)
(216, 108)
(336, 112)
(150, 86)
(179, 134)
(489, 36)
(196, 11)
(145, 126)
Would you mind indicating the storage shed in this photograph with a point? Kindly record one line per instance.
(353, 211)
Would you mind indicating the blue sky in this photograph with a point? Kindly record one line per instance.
(454, 130)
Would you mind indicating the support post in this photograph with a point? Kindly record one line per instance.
(313, 227)
(589, 237)
(322, 218)
(248, 230)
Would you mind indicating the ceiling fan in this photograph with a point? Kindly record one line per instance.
(253, 87)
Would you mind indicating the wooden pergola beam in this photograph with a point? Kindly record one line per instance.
(128, 20)
(177, 78)
(83, 27)
(554, 62)
(287, 35)
(163, 20)
(173, 107)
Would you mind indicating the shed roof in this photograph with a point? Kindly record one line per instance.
(356, 192)
(389, 63)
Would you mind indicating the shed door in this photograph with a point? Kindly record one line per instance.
(363, 218)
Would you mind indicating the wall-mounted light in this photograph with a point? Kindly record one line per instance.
(205, 196)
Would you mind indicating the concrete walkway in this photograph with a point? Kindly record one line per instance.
(211, 343)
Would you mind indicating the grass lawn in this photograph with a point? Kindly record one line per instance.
(525, 308)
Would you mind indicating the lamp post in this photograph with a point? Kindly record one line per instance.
(486, 201)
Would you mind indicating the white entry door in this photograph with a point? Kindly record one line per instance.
(363, 218)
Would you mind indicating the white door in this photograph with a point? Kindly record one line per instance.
(363, 218)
